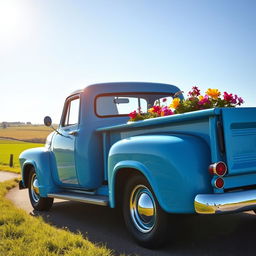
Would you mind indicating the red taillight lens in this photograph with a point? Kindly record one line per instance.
(219, 169)
(219, 183)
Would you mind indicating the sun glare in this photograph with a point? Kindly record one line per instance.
(14, 22)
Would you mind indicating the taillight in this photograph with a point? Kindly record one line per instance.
(219, 183)
(219, 169)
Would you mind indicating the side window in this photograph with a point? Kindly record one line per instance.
(72, 112)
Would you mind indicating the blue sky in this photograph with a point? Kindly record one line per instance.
(48, 48)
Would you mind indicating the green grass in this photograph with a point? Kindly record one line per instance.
(14, 147)
(24, 235)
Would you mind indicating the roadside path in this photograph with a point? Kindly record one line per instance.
(7, 176)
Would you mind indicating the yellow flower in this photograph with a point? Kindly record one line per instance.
(151, 110)
(214, 93)
(175, 103)
(200, 97)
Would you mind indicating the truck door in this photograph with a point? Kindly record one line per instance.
(64, 143)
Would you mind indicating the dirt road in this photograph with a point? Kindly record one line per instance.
(7, 176)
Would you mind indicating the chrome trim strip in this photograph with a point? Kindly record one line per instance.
(98, 200)
(226, 202)
(82, 191)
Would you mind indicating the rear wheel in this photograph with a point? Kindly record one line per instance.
(143, 216)
(39, 203)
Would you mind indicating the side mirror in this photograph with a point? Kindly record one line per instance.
(47, 121)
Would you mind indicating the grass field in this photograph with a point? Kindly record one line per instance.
(22, 234)
(29, 133)
(14, 147)
(40, 239)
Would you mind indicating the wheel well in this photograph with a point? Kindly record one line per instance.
(121, 178)
(26, 172)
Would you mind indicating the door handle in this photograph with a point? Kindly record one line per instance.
(74, 133)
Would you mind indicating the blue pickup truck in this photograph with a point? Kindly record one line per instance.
(199, 162)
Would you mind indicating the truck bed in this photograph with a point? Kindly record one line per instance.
(233, 141)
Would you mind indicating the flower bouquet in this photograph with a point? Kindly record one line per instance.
(195, 101)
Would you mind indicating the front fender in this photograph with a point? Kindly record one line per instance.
(176, 166)
(43, 161)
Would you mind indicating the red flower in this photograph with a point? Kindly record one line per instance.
(155, 109)
(228, 97)
(133, 114)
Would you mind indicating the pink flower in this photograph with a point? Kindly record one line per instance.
(240, 101)
(166, 111)
(133, 114)
(195, 91)
(204, 100)
(234, 100)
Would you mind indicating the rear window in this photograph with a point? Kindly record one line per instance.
(122, 105)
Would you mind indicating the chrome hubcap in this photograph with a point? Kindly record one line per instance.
(35, 188)
(143, 209)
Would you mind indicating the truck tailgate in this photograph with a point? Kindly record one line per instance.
(239, 127)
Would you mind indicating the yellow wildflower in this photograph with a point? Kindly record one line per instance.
(175, 103)
(214, 93)
(200, 97)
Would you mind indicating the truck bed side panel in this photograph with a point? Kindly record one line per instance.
(175, 165)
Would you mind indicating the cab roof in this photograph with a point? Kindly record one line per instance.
(127, 87)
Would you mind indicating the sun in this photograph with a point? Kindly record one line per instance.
(14, 19)
(9, 17)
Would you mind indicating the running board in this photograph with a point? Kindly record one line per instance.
(81, 197)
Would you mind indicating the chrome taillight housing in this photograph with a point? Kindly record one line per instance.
(219, 169)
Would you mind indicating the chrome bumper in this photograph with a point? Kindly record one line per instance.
(226, 202)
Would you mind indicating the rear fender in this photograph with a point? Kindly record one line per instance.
(176, 167)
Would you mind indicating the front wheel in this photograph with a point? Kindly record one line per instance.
(39, 203)
(143, 216)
